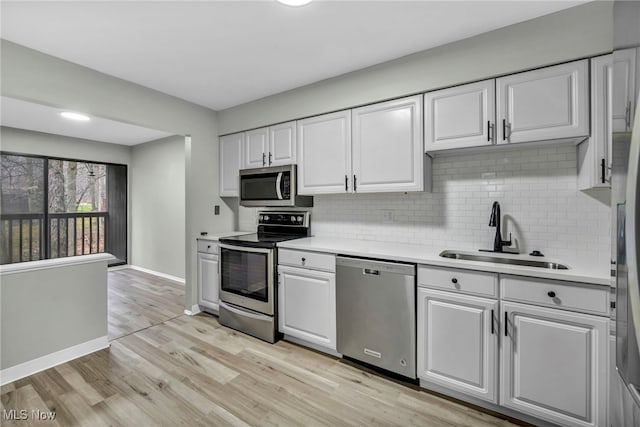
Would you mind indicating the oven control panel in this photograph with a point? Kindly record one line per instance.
(290, 218)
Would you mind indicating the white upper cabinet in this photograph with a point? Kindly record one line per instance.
(387, 146)
(461, 116)
(230, 163)
(544, 104)
(282, 144)
(594, 154)
(324, 153)
(256, 148)
(624, 69)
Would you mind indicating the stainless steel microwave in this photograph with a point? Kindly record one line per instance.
(271, 186)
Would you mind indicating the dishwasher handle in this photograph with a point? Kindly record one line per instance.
(375, 267)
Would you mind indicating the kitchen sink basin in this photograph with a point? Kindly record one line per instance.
(500, 260)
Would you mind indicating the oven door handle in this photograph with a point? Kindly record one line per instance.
(244, 313)
(278, 184)
(245, 249)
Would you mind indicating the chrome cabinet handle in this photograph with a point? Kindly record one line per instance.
(346, 183)
(627, 116)
(270, 157)
(264, 159)
(489, 131)
(355, 185)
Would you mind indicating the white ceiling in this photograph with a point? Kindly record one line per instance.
(27, 115)
(223, 53)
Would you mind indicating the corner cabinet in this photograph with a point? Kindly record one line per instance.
(376, 148)
(231, 147)
(307, 297)
(594, 154)
(460, 117)
(624, 99)
(387, 143)
(546, 104)
(458, 342)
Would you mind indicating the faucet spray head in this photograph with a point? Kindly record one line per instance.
(495, 214)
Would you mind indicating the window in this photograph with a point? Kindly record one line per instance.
(52, 208)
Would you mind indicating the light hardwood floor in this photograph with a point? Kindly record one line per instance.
(191, 371)
(138, 300)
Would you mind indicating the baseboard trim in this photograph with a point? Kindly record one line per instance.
(195, 309)
(42, 363)
(119, 267)
(157, 273)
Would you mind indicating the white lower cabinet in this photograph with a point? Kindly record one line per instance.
(554, 364)
(307, 305)
(458, 342)
(537, 350)
(208, 280)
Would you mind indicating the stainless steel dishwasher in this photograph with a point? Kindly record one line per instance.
(376, 313)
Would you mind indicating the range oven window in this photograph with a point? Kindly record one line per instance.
(245, 273)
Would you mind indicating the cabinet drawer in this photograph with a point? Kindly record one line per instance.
(457, 280)
(555, 293)
(313, 260)
(208, 246)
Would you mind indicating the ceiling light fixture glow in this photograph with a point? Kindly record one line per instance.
(75, 116)
(294, 2)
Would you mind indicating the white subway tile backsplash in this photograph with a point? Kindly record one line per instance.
(536, 188)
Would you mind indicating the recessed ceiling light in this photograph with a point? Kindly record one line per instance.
(75, 116)
(294, 2)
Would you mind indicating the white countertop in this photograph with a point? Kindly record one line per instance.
(219, 235)
(422, 254)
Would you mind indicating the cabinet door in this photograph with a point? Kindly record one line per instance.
(324, 154)
(387, 146)
(208, 280)
(230, 164)
(458, 342)
(256, 148)
(307, 305)
(554, 364)
(282, 144)
(624, 95)
(461, 116)
(544, 104)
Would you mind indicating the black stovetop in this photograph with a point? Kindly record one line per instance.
(259, 240)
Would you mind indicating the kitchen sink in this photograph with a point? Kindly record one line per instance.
(500, 260)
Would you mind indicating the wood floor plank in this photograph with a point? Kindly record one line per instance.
(164, 368)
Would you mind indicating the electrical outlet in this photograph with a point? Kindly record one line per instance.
(387, 215)
(216, 210)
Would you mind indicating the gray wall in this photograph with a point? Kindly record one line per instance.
(55, 308)
(33, 76)
(157, 205)
(46, 144)
(573, 33)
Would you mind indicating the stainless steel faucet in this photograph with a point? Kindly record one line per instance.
(494, 221)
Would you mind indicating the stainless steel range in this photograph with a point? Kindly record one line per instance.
(248, 273)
